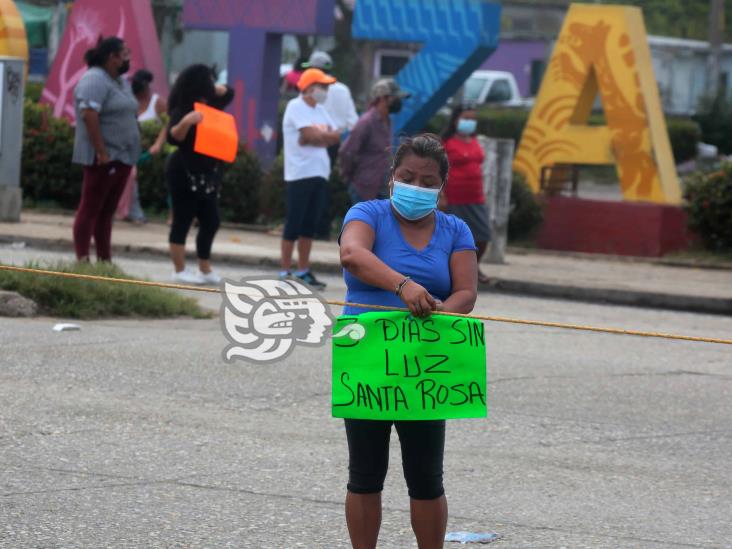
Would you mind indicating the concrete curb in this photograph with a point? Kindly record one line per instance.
(610, 296)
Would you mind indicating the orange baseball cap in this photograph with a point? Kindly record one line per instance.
(314, 76)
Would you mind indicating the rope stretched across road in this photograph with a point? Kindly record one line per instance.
(542, 323)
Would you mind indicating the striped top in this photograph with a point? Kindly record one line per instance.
(117, 107)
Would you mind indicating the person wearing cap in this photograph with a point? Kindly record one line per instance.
(307, 131)
(339, 103)
(364, 156)
(342, 111)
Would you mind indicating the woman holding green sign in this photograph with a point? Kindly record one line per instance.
(404, 252)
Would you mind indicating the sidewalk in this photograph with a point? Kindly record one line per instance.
(567, 276)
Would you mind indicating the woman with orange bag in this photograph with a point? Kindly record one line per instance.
(193, 179)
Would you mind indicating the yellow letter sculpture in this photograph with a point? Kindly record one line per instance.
(602, 48)
(13, 42)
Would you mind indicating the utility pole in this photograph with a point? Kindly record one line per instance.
(716, 40)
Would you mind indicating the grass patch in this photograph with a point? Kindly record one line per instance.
(698, 256)
(83, 299)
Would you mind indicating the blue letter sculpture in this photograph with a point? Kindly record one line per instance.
(255, 48)
(458, 35)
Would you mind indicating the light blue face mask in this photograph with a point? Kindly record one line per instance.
(412, 202)
(466, 126)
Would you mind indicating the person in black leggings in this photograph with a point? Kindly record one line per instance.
(193, 179)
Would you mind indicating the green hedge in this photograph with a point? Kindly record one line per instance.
(709, 206)
(715, 120)
(49, 177)
(47, 174)
(526, 214)
(684, 133)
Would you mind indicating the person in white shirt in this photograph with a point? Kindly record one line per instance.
(339, 103)
(307, 131)
(342, 111)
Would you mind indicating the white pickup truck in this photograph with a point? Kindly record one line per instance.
(497, 88)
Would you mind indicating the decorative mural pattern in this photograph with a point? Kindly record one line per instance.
(90, 19)
(605, 49)
(458, 36)
(13, 42)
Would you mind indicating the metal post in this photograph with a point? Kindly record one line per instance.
(12, 76)
(497, 176)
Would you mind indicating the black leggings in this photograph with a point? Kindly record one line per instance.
(423, 448)
(187, 205)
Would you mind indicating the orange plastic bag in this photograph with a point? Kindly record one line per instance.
(216, 134)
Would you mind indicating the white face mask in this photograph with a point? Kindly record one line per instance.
(319, 95)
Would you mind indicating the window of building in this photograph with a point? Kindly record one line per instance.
(387, 63)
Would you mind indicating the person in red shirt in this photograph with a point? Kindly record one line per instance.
(464, 191)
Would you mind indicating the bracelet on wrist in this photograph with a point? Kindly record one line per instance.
(400, 286)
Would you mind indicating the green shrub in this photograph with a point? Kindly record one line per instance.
(272, 193)
(84, 299)
(241, 188)
(684, 135)
(526, 212)
(33, 91)
(47, 174)
(151, 184)
(502, 123)
(709, 207)
(715, 119)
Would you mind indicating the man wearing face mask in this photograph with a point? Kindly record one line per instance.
(364, 156)
(307, 131)
(106, 144)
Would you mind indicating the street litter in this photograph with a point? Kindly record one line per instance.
(470, 537)
(66, 327)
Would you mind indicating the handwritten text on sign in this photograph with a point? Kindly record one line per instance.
(407, 368)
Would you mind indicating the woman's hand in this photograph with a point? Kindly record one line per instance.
(417, 299)
(102, 158)
(155, 149)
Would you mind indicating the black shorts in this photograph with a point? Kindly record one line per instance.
(423, 449)
(303, 203)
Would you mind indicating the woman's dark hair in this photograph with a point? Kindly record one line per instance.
(451, 128)
(195, 83)
(426, 145)
(106, 47)
(141, 81)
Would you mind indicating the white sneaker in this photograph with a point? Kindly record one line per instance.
(210, 278)
(187, 277)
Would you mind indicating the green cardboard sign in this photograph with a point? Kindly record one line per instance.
(392, 366)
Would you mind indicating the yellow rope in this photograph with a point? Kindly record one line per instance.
(616, 331)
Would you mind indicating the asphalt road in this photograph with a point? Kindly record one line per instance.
(134, 433)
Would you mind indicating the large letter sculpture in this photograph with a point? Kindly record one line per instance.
(13, 42)
(602, 48)
(131, 20)
(255, 48)
(458, 36)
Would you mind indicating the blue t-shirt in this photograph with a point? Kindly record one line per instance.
(428, 267)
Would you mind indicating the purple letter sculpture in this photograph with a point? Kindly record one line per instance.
(255, 48)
